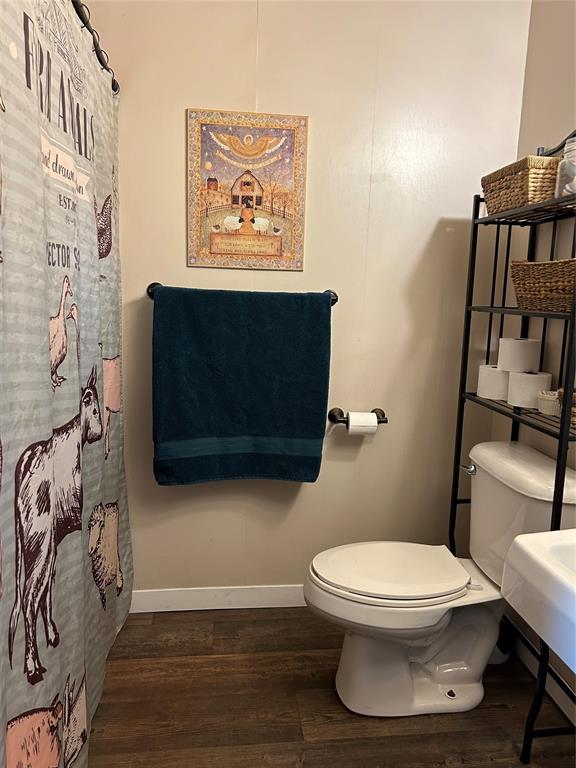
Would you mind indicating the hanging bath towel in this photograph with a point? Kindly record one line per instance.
(240, 384)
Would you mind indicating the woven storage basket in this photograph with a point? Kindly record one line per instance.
(527, 181)
(573, 412)
(544, 286)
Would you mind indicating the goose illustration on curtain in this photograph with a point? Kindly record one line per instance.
(66, 563)
(58, 335)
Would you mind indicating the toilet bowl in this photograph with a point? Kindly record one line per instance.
(421, 624)
(423, 650)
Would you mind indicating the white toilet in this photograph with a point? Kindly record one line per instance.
(420, 623)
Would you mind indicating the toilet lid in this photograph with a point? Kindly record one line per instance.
(392, 569)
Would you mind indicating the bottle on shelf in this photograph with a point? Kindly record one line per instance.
(566, 178)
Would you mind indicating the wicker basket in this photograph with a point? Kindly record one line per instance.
(527, 181)
(548, 403)
(544, 286)
(573, 412)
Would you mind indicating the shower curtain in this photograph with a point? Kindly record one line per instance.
(66, 568)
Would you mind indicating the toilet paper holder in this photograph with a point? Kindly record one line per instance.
(337, 416)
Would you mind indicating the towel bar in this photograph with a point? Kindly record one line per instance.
(152, 287)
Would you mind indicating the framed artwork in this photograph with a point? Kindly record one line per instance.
(246, 189)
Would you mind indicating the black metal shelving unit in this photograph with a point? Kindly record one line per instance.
(559, 428)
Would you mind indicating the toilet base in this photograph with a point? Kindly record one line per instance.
(392, 677)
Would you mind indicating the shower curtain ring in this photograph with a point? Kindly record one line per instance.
(87, 12)
(115, 83)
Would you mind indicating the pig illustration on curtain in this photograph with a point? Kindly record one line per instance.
(33, 739)
(111, 381)
(48, 507)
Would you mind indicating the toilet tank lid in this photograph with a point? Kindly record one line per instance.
(524, 469)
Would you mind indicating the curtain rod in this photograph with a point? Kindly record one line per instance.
(83, 13)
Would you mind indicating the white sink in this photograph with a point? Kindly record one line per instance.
(539, 582)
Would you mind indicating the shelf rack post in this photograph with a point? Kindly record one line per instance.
(455, 501)
(564, 436)
(530, 730)
(557, 428)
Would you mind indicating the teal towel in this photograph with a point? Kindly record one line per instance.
(240, 384)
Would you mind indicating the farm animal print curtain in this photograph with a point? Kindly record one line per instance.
(66, 569)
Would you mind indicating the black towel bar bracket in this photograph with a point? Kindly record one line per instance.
(152, 287)
(337, 416)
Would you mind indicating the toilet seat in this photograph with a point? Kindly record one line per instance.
(391, 574)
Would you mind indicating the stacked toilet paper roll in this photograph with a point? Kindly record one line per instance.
(523, 388)
(492, 383)
(520, 355)
(516, 377)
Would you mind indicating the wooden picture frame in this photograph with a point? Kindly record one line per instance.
(246, 189)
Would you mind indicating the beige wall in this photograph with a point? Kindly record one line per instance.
(409, 104)
(549, 100)
(548, 115)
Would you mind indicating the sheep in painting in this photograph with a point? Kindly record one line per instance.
(231, 223)
(261, 225)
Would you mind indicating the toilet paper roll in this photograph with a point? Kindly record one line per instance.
(362, 423)
(524, 387)
(522, 355)
(492, 383)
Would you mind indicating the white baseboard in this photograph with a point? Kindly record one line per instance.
(552, 688)
(206, 598)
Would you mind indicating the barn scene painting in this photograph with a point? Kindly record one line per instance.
(246, 190)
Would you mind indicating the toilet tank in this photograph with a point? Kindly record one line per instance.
(512, 490)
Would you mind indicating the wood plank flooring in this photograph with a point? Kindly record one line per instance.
(255, 689)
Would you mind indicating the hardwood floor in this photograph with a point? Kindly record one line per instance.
(255, 689)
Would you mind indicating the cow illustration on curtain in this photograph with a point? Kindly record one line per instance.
(48, 507)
